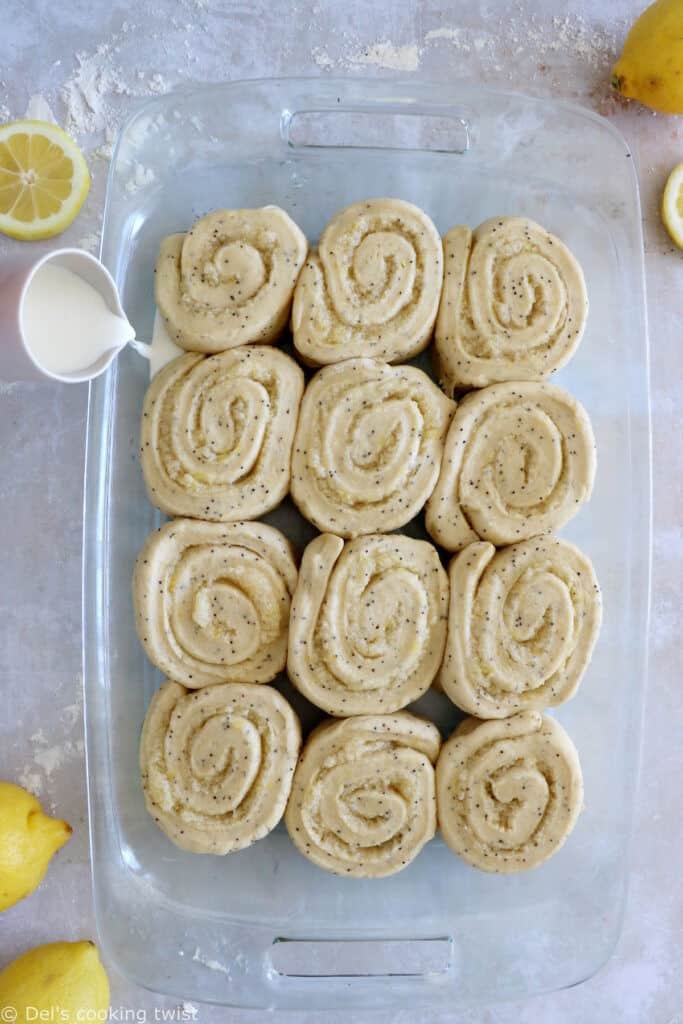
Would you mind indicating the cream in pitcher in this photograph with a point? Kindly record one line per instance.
(67, 324)
(61, 317)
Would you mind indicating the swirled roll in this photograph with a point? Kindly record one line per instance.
(217, 764)
(363, 801)
(522, 626)
(230, 279)
(368, 623)
(212, 601)
(368, 446)
(519, 461)
(509, 792)
(513, 307)
(373, 286)
(217, 433)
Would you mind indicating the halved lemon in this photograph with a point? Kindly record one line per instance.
(672, 205)
(43, 179)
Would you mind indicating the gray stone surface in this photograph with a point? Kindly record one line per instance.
(553, 49)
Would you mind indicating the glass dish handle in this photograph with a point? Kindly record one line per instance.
(360, 958)
(379, 127)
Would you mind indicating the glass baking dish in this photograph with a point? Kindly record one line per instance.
(264, 928)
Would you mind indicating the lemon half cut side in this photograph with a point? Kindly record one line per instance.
(44, 179)
(672, 205)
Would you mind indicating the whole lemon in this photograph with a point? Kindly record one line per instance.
(28, 839)
(63, 982)
(650, 68)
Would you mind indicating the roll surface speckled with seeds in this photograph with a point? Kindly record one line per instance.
(513, 307)
(217, 433)
(509, 792)
(363, 802)
(368, 623)
(230, 279)
(368, 447)
(519, 460)
(373, 286)
(217, 764)
(522, 625)
(212, 601)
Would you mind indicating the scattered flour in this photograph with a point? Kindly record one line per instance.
(213, 965)
(38, 109)
(520, 48)
(92, 96)
(387, 55)
(90, 242)
(141, 177)
(47, 759)
(86, 92)
(321, 57)
(71, 714)
(52, 758)
(158, 85)
(537, 38)
(31, 781)
(452, 35)
(105, 151)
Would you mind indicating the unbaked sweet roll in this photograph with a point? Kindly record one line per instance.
(212, 601)
(368, 446)
(230, 279)
(514, 304)
(217, 433)
(363, 800)
(217, 764)
(522, 625)
(509, 792)
(368, 623)
(519, 461)
(373, 286)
